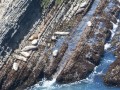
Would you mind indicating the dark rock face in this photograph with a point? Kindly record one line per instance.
(75, 72)
(52, 66)
(112, 76)
(15, 33)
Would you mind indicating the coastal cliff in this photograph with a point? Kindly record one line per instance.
(55, 39)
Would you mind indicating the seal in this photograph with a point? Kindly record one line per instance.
(15, 66)
(28, 48)
(34, 36)
(20, 57)
(61, 33)
(25, 54)
(34, 42)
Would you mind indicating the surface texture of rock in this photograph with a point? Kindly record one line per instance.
(29, 52)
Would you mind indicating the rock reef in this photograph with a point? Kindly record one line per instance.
(49, 40)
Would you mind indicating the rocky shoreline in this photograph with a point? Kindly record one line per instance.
(112, 76)
(66, 45)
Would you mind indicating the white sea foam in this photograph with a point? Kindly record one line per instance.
(114, 28)
(48, 83)
(109, 61)
(107, 46)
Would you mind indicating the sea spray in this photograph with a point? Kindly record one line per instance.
(114, 28)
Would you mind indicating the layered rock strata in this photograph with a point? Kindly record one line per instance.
(67, 44)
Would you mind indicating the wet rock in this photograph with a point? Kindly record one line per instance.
(78, 65)
(51, 67)
(112, 76)
(76, 72)
(88, 51)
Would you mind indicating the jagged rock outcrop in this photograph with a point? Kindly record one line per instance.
(21, 72)
(90, 48)
(112, 76)
(82, 31)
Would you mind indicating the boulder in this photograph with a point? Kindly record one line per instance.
(89, 23)
(34, 36)
(20, 57)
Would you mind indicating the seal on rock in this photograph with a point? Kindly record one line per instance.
(20, 58)
(15, 66)
(61, 33)
(55, 53)
(28, 48)
(34, 42)
(34, 36)
(89, 23)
